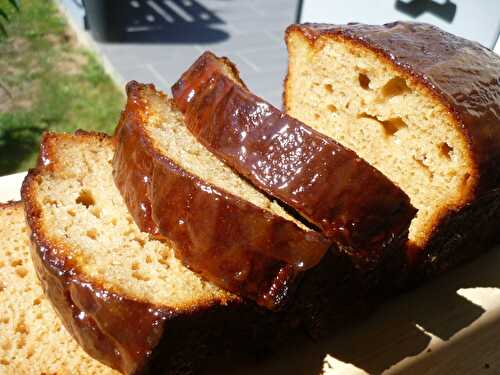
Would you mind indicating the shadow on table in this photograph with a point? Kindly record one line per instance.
(389, 335)
(155, 21)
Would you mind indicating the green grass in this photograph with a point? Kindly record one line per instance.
(47, 82)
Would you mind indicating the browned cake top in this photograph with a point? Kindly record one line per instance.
(463, 74)
(332, 187)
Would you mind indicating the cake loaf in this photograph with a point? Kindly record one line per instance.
(350, 201)
(125, 298)
(33, 339)
(421, 105)
(221, 226)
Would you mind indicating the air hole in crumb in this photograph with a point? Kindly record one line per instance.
(92, 233)
(316, 116)
(4, 362)
(445, 150)
(329, 88)
(164, 257)
(4, 320)
(364, 81)
(113, 221)
(71, 212)
(140, 241)
(2, 286)
(29, 353)
(135, 266)
(391, 126)
(21, 328)
(49, 201)
(331, 108)
(21, 342)
(16, 262)
(423, 166)
(86, 198)
(37, 301)
(149, 259)
(21, 271)
(96, 211)
(394, 87)
(139, 276)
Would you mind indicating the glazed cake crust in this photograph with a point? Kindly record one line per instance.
(349, 200)
(231, 242)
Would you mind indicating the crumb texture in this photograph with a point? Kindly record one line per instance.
(83, 210)
(388, 119)
(32, 339)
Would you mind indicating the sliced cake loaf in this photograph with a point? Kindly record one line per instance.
(349, 200)
(220, 225)
(126, 298)
(32, 340)
(421, 105)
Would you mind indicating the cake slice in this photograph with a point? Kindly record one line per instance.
(421, 105)
(126, 299)
(33, 340)
(334, 189)
(220, 225)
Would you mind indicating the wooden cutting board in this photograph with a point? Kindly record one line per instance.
(450, 325)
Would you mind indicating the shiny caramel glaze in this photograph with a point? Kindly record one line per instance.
(229, 241)
(333, 188)
(115, 329)
(465, 77)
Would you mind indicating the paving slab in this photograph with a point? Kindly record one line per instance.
(164, 37)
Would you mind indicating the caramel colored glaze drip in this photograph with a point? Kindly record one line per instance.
(329, 185)
(120, 333)
(464, 74)
(229, 241)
